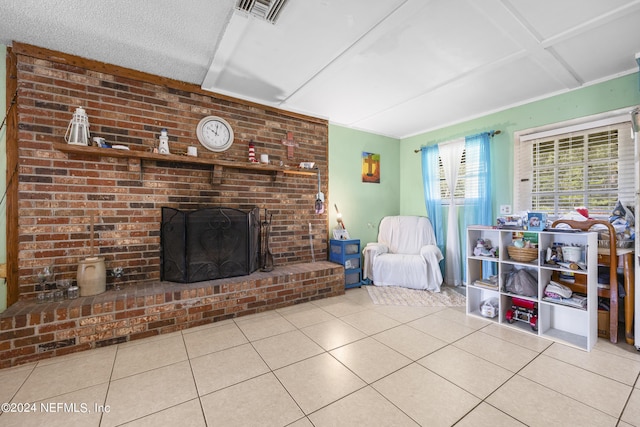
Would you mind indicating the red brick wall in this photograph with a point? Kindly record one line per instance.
(58, 191)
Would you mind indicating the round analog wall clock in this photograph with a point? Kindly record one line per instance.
(215, 133)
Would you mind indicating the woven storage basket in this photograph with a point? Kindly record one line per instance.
(522, 254)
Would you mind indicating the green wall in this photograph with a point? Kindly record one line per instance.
(400, 191)
(362, 204)
(607, 96)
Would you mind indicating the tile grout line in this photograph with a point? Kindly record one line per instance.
(271, 371)
(370, 384)
(113, 367)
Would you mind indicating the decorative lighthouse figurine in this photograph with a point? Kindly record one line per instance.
(163, 147)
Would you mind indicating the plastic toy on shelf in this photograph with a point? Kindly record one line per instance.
(524, 311)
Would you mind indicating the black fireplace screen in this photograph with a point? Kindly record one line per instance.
(207, 244)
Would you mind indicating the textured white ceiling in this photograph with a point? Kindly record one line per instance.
(393, 67)
(171, 38)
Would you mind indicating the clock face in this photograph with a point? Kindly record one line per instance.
(215, 133)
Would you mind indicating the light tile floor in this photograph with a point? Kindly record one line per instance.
(339, 361)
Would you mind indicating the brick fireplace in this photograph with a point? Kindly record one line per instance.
(57, 191)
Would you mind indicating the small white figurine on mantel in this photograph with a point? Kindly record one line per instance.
(163, 147)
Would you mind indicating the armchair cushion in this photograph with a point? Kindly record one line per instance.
(405, 254)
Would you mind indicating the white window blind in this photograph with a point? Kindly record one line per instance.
(467, 183)
(591, 167)
(459, 189)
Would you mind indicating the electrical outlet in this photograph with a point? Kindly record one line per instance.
(505, 209)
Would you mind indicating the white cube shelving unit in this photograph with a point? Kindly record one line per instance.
(562, 323)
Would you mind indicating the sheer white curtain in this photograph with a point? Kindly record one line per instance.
(451, 155)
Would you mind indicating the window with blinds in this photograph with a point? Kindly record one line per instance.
(459, 189)
(592, 167)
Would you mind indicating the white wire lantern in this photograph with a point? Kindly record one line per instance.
(78, 129)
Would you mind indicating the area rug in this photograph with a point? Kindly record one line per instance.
(394, 295)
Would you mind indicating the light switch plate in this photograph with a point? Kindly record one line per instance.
(505, 209)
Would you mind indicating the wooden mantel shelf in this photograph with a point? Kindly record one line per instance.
(143, 155)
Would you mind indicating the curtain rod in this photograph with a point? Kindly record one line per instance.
(491, 134)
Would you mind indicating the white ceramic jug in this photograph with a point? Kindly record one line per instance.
(92, 276)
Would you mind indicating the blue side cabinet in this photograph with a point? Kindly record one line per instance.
(347, 253)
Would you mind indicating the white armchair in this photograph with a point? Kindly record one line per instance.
(405, 254)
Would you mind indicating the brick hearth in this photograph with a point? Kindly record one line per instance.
(31, 331)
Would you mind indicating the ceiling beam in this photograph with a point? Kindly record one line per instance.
(516, 27)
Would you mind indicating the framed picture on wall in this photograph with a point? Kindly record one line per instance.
(370, 167)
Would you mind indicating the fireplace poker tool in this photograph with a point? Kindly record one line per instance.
(267, 264)
(313, 255)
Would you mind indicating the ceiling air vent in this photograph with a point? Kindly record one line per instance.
(269, 10)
